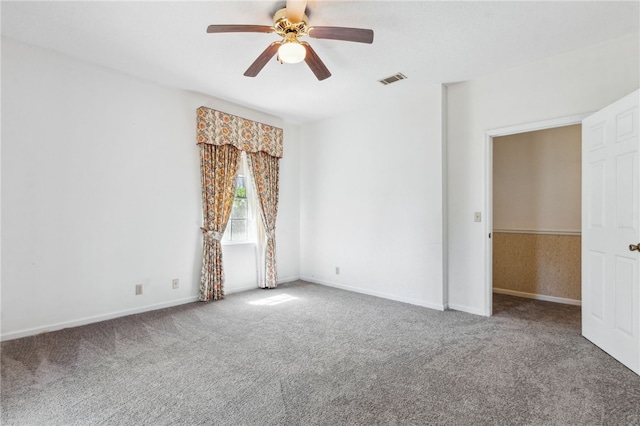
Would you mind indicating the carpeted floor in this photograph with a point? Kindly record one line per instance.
(309, 354)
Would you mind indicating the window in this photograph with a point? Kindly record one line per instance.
(241, 227)
(238, 226)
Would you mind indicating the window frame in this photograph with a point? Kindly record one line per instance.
(251, 225)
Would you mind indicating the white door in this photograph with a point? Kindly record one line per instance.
(611, 230)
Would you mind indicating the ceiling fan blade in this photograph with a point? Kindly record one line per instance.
(295, 10)
(239, 29)
(359, 35)
(262, 60)
(315, 63)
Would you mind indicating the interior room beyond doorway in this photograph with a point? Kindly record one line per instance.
(537, 214)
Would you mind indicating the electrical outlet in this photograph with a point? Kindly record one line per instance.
(337, 270)
(175, 283)
(477, 217)
(138, 289)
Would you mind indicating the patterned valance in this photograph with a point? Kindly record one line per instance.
(219, 128)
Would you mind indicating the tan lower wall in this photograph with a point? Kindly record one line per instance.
(541, 264)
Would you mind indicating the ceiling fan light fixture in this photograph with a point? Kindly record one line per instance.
(290, 23)
(291, 52)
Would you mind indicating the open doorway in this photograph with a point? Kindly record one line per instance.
(534, 211)
(536, 214)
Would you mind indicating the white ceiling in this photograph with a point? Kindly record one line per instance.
(429, 42)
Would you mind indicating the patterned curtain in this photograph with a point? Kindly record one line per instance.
(218, 167)
(266, 171)
(218, 128)
(222, 137)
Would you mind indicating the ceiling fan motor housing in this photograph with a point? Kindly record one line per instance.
(286, 28)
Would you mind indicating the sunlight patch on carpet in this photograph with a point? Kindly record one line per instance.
(274, 300)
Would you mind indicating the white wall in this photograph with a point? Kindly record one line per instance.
(537, 180)
(288, 219)
(101, 191)
(578, 82)
(371, 196)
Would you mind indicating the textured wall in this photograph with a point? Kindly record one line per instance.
(537, 180)
(537, 263)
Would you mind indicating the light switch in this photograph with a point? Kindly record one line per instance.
(477, 217)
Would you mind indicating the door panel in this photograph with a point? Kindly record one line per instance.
(596, 205)
(595, 262)
(625, 210)
(610, 223)
(625, 275)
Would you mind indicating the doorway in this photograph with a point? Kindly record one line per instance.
(534, 211)
(536, 214)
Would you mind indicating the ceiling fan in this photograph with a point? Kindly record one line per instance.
(291, 23)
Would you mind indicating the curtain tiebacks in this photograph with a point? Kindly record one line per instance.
(212, 235)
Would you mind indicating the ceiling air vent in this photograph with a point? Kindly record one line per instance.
(393, 79)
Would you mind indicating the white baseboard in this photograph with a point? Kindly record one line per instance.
(538, 296)
(411, 301)
(90, 320)
(240, 289)
(97, 318)
(468, 309)
(255, 286)
(288, 280)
